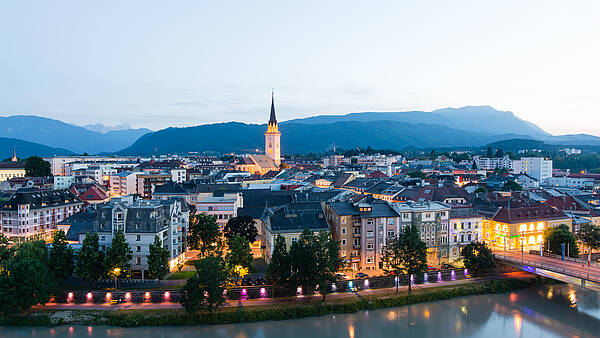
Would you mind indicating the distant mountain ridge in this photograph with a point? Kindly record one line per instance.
(58, 134)
(471, 126)
(25, 149)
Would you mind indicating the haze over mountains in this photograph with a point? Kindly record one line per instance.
(470, 126)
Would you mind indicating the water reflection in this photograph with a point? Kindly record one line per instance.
(549, 311)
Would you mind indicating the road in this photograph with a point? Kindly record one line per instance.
(567, 267)
(274, 301)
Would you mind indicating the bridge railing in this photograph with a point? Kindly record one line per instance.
(591, 276)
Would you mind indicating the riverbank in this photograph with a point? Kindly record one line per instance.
(279, 311)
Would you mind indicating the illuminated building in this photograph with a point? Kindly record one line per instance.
(512, 228)
(273, 136)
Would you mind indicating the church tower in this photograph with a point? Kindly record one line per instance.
(272, 136)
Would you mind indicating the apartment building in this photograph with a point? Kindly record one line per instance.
(536, 167)
(33, 215)
(58, 163)
(431, 219)
(223, 208)
(140, 220)
(10, 170)
(123, 183)
(493, 163)
(466, 226)
(362, 228)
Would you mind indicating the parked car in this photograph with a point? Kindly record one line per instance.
(447, 266)
(432, 268)
(362, 275)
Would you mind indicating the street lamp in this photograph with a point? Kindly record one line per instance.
(116, 272)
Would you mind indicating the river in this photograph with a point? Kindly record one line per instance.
(547, 311)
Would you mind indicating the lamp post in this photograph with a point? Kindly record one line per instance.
(116, 272)
(521, 246)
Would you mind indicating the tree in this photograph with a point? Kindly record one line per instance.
(416, 174)
(243, 226)
(589, 235)
(158, 260)
(35, 166)
(478, 257)
(489, 152)
(413, 252)
(204, 235)
(278, 270)
(480, 189)
(5, 249)
(239, 258)
(392, 257)
(205, 288)
(512, 186)
(328, 261)
(61, 258)
(25, 279)
(90, 259)
(119, 255)
(555, 237)
(303, 261)
(499, 153)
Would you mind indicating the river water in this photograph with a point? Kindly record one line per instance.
(547, 311)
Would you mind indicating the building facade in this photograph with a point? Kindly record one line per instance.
(273, 137)
(33, 215)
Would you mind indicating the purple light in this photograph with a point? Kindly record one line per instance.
(466, 271)
(396, 280)
(244, 292)
(425, 277)
(333, 287)
(439, 276)
(452, 275)
(299, 290)
(412, 279)
(366, 283)
(263, 292)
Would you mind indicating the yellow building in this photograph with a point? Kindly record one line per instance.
(10, 170)
(513, 228)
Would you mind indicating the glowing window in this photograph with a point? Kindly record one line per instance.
(523, 227)
(540, 226)
(505, 228)
(531, 240)
(540, 239)
(531, 227)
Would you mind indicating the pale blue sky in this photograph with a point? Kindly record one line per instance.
(176, 63)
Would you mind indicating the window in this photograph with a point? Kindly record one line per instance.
(343, 231)
(370, 221)
(390, 233)
(356, 242)
(369, 260)
(294, 239)
(343, 220)
(356, 231)
(391, 221)
(138, 260)
(138, 238)
(369, 246)
(102, 238)
(138, 248)
(343, 242)
(370, 233)
(343, 253)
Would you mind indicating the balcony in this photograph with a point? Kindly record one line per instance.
(356, 235)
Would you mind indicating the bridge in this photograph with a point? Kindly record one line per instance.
(571, 270)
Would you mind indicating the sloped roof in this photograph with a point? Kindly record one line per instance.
(41, 199)
(297, 217)
(528, 213)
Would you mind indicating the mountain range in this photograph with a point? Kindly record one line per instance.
(58, 134)
(471, 126)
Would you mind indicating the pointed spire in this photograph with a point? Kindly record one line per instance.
(272, 119)
(14, 157)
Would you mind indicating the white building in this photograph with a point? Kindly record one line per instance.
(493, 163)
(58, 163)
(570, 182)
(140, 221)
(466, 226)
(536, 167)
(34, 215)
(63, 182)
(223, 208)
(124, 183)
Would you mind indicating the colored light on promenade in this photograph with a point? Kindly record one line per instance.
(167, 295)
(89, 296)
(127, 296)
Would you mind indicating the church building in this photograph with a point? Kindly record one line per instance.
(270, 161)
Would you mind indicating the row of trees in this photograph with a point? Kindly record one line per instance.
(311, 262)
(31, 272)
(215, 271)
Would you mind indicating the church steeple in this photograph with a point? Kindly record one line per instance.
(14, 157)
(272, 136)
(272, 124)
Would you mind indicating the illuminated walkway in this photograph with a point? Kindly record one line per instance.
(273, 301)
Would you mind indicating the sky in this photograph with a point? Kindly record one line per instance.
(157, 64)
